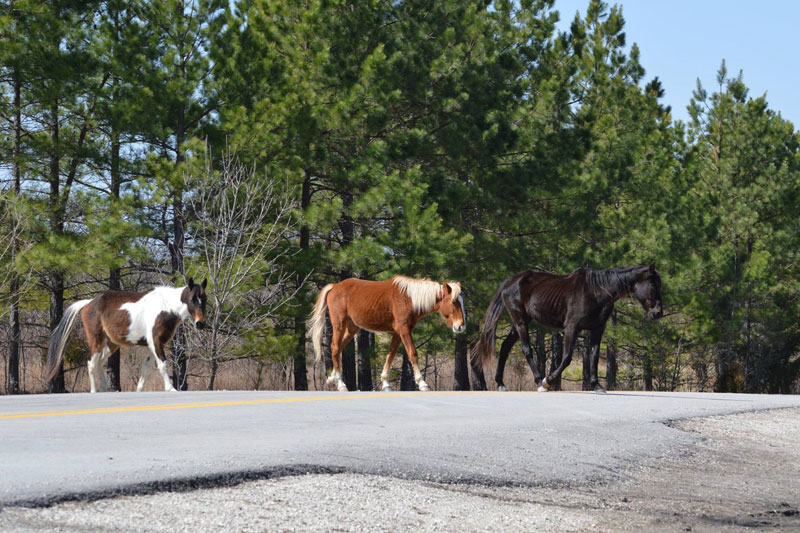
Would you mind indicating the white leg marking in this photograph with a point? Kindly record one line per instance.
(385, 386)
(545, 386)
(92, 365)
(162, 367)
(103, 382)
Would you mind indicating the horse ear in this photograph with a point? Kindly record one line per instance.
(205, 282)
(190, 283)
(447, 289)
(653, 267)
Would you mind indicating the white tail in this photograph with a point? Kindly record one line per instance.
(317, 320)
(60, 335)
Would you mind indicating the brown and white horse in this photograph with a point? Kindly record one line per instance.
(394, 306)
(115, 319)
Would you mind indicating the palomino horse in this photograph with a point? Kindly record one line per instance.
(579, 301)
(395, 306)
(116, 319)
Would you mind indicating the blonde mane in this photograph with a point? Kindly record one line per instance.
(424, 292)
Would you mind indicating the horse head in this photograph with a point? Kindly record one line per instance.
(647, 290)
(194, 296)
(451, 306)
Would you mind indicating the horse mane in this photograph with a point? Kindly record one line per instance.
(424, 292)
(616, 281)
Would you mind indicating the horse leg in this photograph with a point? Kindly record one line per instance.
(93, 366)
(100, 369)
(349, 334)
(570, 335)
(594, 358)
(157, 348)
(411, 350)
(343, 332)
(505, 349)
(96, 338)
(521, 326)
(147, 367)
(387, 366)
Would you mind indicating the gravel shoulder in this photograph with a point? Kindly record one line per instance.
(743, 473)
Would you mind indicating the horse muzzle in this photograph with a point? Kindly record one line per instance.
(459, 328)
(655, 315)
(200, 324)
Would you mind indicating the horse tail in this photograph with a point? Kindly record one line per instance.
(317, 320)
(58, 340)
(483, 350)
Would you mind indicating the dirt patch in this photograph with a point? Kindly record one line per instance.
(744, 474)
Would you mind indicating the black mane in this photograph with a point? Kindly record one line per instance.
(616, 281)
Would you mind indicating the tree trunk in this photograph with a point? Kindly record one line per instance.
(14, 283)
(56, 313)
(556, 355)
(212, 378)
(611, 366)
(348, 356)
(407, 382)
(541, 352)
(300, 368)
(349, 373)
(587, 364)
(115, 274)
(57, 226)
(366, 345)
(461, 373)
(648, 370)
(176, 253)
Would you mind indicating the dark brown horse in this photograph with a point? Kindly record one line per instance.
(394, 306)
(579, 301)
(115, 319)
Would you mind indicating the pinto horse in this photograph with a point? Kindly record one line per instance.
(115, 319)
(395, 306)
(582, 300)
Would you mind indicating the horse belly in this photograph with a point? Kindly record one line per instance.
(547, 319)
(377, 320)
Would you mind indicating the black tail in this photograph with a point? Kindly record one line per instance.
(483, 350)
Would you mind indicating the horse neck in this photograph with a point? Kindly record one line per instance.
(167, 299)
(617, 283)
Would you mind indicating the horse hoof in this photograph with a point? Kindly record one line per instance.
(599, 390)
(388, 389)
(342, 387)
(173, 389)
(423, 387)
(542, 389)
(502, 388)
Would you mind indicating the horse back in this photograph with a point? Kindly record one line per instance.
(370, 304)
(547, 297)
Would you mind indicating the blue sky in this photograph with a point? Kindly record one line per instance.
(682, 40)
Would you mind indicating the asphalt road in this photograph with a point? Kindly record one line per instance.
(64, 447)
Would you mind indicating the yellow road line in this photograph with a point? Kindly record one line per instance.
(167, 407)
